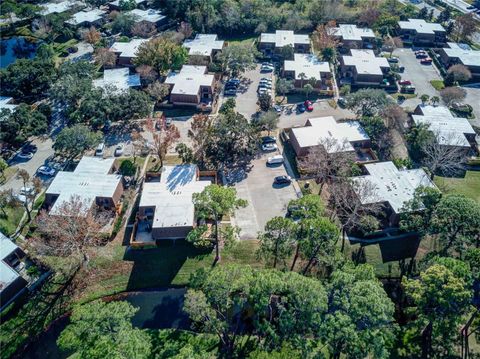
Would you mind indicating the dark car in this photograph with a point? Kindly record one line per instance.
(471, 7)
(234, 81)
(29, 148)
(408, 89)
(393, 60)
(301, 108)
(231, 92)
(282, 180)
(269, 139)
(421, 55)
(230, 86)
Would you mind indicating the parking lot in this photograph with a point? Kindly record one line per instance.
(265, 200)
(420, 75)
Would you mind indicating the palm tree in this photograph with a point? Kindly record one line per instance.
(302, 77)
(435, 100)
(424, 98)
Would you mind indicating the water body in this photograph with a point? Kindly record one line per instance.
(15, 48)
(158, 309)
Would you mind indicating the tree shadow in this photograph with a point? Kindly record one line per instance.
(399, 248)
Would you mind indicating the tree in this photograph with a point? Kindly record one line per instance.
(286, 52)
(162, 55)
(440, 300)
(379, 135)
(30, 193)
(327, 161)
(123, 23)
(104, 57)
(147, 73)
(307, 88)
(435, 100)
(144, 29)
(128, 168)
(277, 241)
(441, 158)
(265, 102)
(424, 98)
(359, 322)
(228, 106)
(17, 127)
(418, 137)
(324, 37)
(268, 121)
(213, 203)
(367, 102)
(237, 58)
(104, 329)
(284, 86)
(73, 141)
(92, 36)
(393, 43)
(465, 26)
(201, 132)
(457, 223)
(185, 153)
(445, 15)
(164, 139)
(302, 77)
(185, 29)
(395, 117)
(3, 167)
(126, 5)
(458, 73)
(453, 94)
(158, 91)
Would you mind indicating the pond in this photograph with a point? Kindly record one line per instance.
(15, 48)
(158, 309)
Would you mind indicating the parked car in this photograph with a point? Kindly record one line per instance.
(404, 82)
(269, 147)
(266, 68)
(341, 102)
(275, 159)
(269, 139)
(100, 149)
(301, 108)
(421, 55)
(265, 79)
(278, 108)
(23, 193)
(308, 105)
(265, 86)
(267, 64)
(282, 180)
(46, 171)
(262, 91)
(234, 81)
(25, 155)
(408, 89)
(168, 122)
(426, 61)
(231, 92)
(29, 147)
(393, 60)
(118, 150)
(230, 86)
(471, 7)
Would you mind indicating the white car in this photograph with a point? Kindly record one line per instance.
(269, 147)
(118, 151)
(25, 155)
(46, 171)
(263, 90)
(265, 86)
(24, 192)
(266, 68)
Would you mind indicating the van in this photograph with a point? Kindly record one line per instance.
(100, 149)
(275, 159)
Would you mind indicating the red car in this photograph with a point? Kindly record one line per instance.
(404, 82)
(308, 105)
(426, 61)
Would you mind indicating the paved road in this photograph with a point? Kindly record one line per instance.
(265, 200)
(473, 98)
(44, 153)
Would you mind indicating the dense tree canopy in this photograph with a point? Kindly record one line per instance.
(23, 122)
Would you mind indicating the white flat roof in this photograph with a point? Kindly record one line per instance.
(7, 273)
(56, 7)
(189, 80)
(117, 2)
(86, 16)
(150, 15)
(203, 44)
(89, 180)
(324, 128)
(366, 62)
(128, 49)
(117, 80)
(465, 54)
(449, 130)
(421, 26)
(172, 196)
(283, 38)
(352, 32)
(308, 64)
(392, 185)
(5, 103)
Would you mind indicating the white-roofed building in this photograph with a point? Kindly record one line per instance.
(390, 185)
(58, 7)
(166, 209)
(335, 137)
(363, 68)
(461, 54)
(354, 37)
(117, 80)
(310, 66)
(273, 42)
(11, 282)
(448, 129)
(191, 86)
(115, 5)
(6, 103)
(150, 15)
(204, 46)
(126, 51)
(87, 18)
(92, 182)
(418, 31)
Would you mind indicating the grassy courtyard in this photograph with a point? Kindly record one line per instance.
(468, 185)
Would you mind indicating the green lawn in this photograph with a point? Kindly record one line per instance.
(242, 39)
(468, 186)
(437, 84)
(10, 220)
